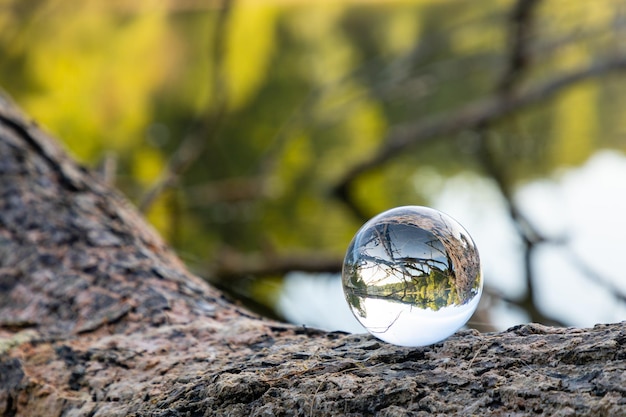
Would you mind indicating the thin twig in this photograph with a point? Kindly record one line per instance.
(594, 275)
(233, 265)
(205, 128)
(473, 115)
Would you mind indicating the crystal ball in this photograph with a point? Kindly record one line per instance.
(412, 276)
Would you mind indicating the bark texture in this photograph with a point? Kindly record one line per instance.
(99, 318)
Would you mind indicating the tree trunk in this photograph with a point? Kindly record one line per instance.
(99, 318)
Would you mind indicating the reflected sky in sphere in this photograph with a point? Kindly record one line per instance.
(411, 276)
(411, 326)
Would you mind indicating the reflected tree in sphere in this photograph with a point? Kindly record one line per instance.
(412, 276)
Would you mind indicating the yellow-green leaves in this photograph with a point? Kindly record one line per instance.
(95, 71)
(250, 46)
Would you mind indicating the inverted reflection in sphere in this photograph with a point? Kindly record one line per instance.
(412, 276)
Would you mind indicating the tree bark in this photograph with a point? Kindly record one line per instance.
(98, 317)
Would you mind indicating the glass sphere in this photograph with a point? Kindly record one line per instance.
(412, 276)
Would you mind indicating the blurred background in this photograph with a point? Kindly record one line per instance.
(258, 136)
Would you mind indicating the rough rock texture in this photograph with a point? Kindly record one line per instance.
(99, 318)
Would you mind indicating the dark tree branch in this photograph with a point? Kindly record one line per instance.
(521, 31)
(529, 235)
(594, 275)
(493, 109)
(233, 265)
(517, 64)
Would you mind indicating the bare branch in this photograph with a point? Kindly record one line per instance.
(204, 129)
(227, 190)
(473, 115)
(594, 275)
(521, 23)
(232, 264)
(517, 64)
(528, 233)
